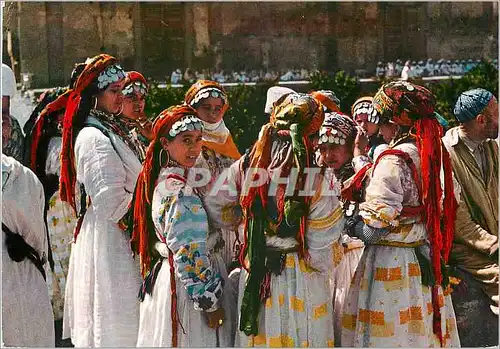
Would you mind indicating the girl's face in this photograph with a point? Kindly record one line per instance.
(133, 105)
(334, 155)
(184, 148)
(210, 110)
(370, 128)
(110, 99)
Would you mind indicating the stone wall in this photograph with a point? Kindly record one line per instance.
(157, 37)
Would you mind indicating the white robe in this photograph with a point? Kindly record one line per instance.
(27, 319)
(101, 305)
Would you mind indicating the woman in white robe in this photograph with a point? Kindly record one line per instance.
(101, 307)
(27, 319)
(399, 296)
(285, 299)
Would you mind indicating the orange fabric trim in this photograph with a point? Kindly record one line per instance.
(228, 149)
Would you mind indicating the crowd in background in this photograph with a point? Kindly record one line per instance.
(408, 69)
(412, 69)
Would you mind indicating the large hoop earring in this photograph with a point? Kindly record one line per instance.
(121, 110)
(95, 103)
(160, 157)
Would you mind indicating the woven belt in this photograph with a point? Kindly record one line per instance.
(400, 244)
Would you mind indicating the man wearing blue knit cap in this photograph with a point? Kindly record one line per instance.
(474, 155)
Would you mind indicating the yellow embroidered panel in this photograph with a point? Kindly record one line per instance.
(328, 221)
(320, 311)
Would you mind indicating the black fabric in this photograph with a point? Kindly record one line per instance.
(367, 234)
(19, 250)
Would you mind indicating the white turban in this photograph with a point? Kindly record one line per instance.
(273, 94)
(8, 81)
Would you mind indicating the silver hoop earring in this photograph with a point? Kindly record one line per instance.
(121, 110)
(95, 103)
(160, 158)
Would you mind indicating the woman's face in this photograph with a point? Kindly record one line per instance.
(184, 148)
(210, 110)
(334, 155)
(110, 100)
(133, 105)
(370, 128)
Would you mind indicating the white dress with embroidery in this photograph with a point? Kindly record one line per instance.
(299, 310)
(216, 163)
(27, 319)
(61, 221)
(181, 225)
(101, 307)
(387, 305)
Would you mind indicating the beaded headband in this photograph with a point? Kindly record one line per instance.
(206, 93)
(135, 86)
(336, 129)
(366, 108)
(112, 74)
(187, 123)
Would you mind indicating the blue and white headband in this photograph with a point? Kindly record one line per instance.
(206, 93)
(136, 86)
(112, 74)
(187, 123)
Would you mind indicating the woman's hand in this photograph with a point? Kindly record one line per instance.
(360, 143)
(215, 319)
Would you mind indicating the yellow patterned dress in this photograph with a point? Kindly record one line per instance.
(387, 304)
(299, 311)
(61, 222)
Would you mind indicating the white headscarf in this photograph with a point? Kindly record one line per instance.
(8, 81)
(273, 94)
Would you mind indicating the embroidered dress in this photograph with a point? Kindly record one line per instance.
(299, 310)
(181, 225)
(27, 319)
(101, 306)
(61, 223)
(387, 304)
(216, 163)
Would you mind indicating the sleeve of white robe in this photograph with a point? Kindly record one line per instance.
(103, 174)
(23, 205)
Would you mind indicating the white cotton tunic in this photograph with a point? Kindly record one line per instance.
(27, 319)
(101, 305)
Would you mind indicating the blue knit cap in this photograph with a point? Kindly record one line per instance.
(471, 103)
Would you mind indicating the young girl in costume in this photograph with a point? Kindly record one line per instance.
(183, 301)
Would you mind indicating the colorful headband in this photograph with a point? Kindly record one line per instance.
(365, 111)
(135, 86)
(337, 129)
(206, 93)
(188, 123)
(112, 74)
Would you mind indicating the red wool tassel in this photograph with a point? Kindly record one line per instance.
(173, 306)
(68, 171)
(436, 316)
(429, 146)
(37, 134)
(450, 205)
